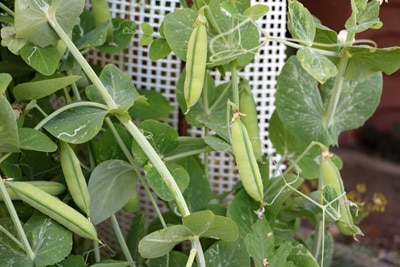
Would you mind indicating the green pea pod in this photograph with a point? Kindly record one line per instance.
(330, 175)
(74, 178)
(101, 14)
(246, 162)
(196, 60)
(247, 106)
(53, 188)
(55, 209)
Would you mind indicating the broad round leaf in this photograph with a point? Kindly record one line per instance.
(31, 139)
(9, 141)
(77, 125)
(110, 186)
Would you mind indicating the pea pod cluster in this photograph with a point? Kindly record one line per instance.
(330, 175)
(246, 161)
(196, 60)
(248, 107)
(55, 209)
(74, 178)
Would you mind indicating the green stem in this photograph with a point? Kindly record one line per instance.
(318, 245)
(189, 153)
(6, 9)
(336, 91)
(81, 61)
(16, 221)
(13, 238)
(96, 249)
(121, 240)
(132, 161)
(235, 85)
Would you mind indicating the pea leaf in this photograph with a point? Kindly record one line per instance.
(110, 186)
(124, 29)
(43, 59)
(301, 23)
(42, 86)
(77, 125)
(172, 259)
(31, 19)
(155, 107)
(206, 224)
(180, 175)
(9, 141)
(256, 11)
(93, 38)
(178, 26)
(260, 242)
(160, 242)
(230, 10)
(302, 108)
(159, 49)
(364, 16)
(223, 253)
(302, 256)
(5, 80)
(31, 139)
(366, 61)
(119, 86)
(317, 65)
(50, 241)
(161, 136)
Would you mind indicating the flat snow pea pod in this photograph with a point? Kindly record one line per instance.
(330, 175)
(196, 60)
(74, 178)
(246, 162)
(53, 188)
(55, 209)
(247, 106)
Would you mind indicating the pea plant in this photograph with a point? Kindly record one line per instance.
(76, 139)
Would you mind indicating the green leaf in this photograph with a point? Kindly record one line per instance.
(256, 11)
(42, 86)
(317, 65)
(77, 125)
(224, 253)
(147, 29)
(161, 242)
(241, 211)
(364, 16)
(301, 23)
(260, 243)
(239, 42)
(172, 259)
(302, 256)
(136, 232)
(31, 19)
(303, 110)
(218, 144)
(230, 10)
(110, 186)
(72, 260)
(180, 175)
(198, 193)
(31, 139)
(156, 106)
(5, 80)
(366, 61)
(119, 86)
(112, 263)
(188, 145)
(161, 136)
(177, 27)
(45, 60)
(159, 49)
(328, 247)
(124, 29)
(145, 40)
(11, 253)
(50, 241)
(94, 38)
(9, 141)
(206, 224)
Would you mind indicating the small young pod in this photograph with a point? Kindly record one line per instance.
(55, 209)
(74, 178)
(330, 175)
(53, 188)
(196, 60)
(246, 162)
(247, 106)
